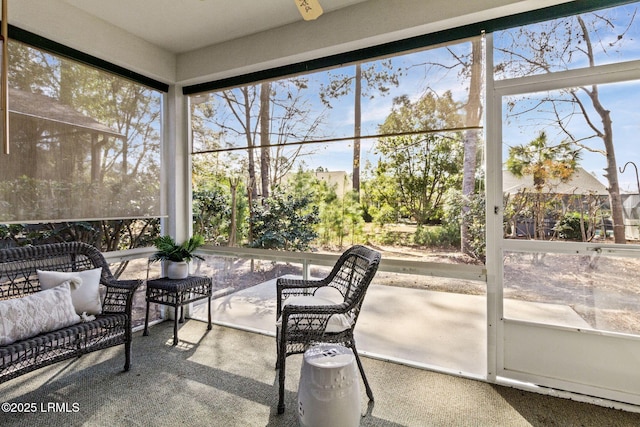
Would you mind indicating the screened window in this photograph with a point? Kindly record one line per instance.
(569, 153)
(579, 41)
(377, 152)
(84, 144)
(570, 173)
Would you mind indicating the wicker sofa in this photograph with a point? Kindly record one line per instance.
(26, 306)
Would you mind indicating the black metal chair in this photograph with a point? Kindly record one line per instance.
(307, 314)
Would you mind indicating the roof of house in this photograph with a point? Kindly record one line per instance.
(45, 108)
(581, 182)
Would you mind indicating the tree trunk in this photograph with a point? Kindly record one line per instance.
(253, 190)
(357, 129)
(611, 171)
(473, 114)
(265, 122)
(607, 139)
(233, 184)
(612, 176)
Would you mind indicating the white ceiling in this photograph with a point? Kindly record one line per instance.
(179, 26)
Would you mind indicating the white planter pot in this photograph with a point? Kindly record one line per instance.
(177, 270)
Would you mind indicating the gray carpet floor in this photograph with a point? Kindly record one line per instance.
(226, 377)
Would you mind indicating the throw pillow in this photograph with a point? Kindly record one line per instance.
(86, 298)
(37, 313)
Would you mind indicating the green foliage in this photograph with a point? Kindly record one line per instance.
(438, 236)
(284, 222)
(107, 235)
(568, 227)
(392, 237)
(211, 211)
(168, 249)
(475, 218)
(380, 198)
(415, 169)
(340, 218)
(546, 163)
(543, 161)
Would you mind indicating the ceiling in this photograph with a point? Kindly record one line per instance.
(179, 26)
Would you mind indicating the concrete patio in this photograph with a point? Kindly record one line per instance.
(417, 327)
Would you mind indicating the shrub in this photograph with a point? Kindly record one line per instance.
(568, 227)
(438, 236)
(284, 222)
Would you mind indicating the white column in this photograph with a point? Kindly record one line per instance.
(177, 166)
(176, 171)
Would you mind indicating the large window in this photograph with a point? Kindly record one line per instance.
(570, 91)
(570, 152)
(386, 152)
(84, 160)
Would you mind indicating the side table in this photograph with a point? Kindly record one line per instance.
(175, 293)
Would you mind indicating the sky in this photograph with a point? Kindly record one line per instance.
(416, 78)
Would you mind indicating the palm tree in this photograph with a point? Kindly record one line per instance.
(545, 163)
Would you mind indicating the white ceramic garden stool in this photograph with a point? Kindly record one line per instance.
(329, 389)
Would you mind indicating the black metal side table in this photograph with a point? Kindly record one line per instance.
(175, 293)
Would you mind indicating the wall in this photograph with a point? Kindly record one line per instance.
(365, 24)
(65, 24)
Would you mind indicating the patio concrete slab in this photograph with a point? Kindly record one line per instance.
(415, 326)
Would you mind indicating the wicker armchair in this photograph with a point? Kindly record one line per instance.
(308, 314)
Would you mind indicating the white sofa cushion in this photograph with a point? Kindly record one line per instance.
(37, 313)
(86, 298)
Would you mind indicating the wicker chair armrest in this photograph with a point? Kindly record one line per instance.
(284, 284)
(119, 296)
(329, 309)
(310, 320)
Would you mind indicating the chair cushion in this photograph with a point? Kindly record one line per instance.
(337, 322)
(86, 298)
(36, 313)
(330, 293)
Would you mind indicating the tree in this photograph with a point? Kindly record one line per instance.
(268, 116)
(284, 222)
(558, 45)
(240, 103)
(210, 212)
(545, 163)
(424, 164)
(85, 164)
(265, 139)
(469, 65)
(473, 116)
(378, 76)
(293, 120)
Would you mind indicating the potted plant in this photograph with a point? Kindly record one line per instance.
(176, 257)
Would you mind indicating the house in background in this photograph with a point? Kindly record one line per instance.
(631, 210)
(582, 183)
(584, 192)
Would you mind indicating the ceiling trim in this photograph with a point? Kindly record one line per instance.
(51, 46)
(412, 43)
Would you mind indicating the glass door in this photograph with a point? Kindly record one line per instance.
(567, 303)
